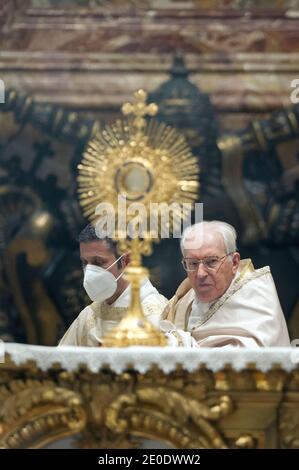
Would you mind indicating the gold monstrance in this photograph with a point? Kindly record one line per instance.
(138, 162)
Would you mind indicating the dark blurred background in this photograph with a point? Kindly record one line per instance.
(221, 72)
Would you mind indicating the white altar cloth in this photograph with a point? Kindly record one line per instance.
(141, 358)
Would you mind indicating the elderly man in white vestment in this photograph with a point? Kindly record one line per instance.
(224, 301)
(109, 291)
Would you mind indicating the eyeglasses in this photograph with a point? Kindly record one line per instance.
(210, 262)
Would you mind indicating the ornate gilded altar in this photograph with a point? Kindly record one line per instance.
(117, 398)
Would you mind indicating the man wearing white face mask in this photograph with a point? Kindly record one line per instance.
(109, 291)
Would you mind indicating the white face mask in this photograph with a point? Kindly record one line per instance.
(99, 283)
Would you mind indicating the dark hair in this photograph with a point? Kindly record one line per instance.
(88, 234)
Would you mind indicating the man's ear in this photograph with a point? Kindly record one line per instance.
(126, 260)
(236, 261)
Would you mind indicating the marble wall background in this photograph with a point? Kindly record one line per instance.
(91, 55)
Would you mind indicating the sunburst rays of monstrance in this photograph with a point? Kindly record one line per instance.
(140, 161)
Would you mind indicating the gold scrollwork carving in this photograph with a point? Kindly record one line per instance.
(203, 409)
(180, 421)
(35, 412)
(289, 428)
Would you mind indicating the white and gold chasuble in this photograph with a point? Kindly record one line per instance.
(97, 319)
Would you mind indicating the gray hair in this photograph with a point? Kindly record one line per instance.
(227, 232)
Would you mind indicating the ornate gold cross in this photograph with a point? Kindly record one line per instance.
(139, 109)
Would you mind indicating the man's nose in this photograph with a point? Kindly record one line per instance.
(201, 271)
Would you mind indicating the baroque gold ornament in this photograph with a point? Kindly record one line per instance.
(144, 166)
(44, 401)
